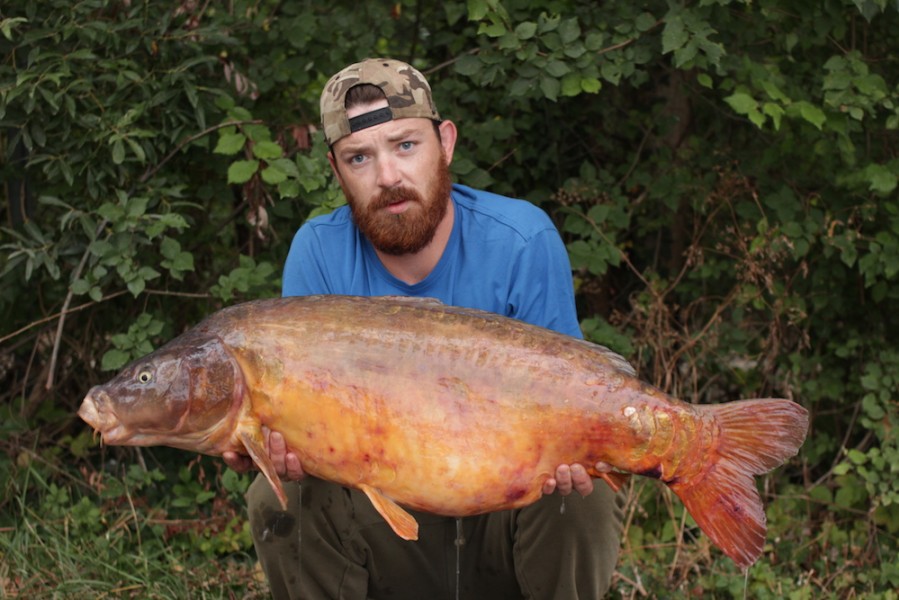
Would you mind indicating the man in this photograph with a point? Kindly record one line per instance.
(408, 231)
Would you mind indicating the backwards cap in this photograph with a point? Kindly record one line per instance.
(407, 91)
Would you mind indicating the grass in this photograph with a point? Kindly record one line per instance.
(83, 533)
(72, 530)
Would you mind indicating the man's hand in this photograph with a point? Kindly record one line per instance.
(573, 477)
(287, 464)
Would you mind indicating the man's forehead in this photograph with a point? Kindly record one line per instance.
(361, 109)
(389, 130)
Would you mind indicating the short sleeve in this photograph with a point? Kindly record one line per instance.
(541, 292)
(303, 270)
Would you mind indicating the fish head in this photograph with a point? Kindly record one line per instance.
(186, 395)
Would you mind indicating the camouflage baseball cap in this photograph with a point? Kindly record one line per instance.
(407, 91)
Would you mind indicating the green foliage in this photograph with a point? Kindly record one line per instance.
(120, 535)
(723, 172)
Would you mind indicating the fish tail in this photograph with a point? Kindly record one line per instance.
(755, 437)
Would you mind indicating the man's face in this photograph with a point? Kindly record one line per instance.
(396, 180)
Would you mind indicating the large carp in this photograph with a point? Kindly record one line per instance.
(442, 409)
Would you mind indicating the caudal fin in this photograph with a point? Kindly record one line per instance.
(755, 437)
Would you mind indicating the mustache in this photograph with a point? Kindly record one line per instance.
(394, 195)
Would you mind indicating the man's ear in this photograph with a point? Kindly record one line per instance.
(448, 135)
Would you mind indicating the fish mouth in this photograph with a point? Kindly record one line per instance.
(96, 411)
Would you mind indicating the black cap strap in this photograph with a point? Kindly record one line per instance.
(369, 119)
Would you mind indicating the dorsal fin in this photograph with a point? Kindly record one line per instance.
(415, 300)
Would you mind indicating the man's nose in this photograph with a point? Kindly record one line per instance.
(388, 173)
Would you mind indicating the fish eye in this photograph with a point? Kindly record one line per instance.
(145, 376)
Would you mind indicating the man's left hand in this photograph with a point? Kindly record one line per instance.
(573, 478)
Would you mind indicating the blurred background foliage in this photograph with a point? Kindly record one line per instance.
(723, 172)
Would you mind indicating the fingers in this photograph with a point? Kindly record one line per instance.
(563, 479)
(236, 462)
(549, 486)
(603, 467)
(277, 451)
(572, 478)
(287, 464)
(294, 468)
(580, 480)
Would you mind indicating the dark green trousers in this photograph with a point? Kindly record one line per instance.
(331, 544)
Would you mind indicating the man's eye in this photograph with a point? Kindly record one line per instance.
(358, 158)
(407, 145)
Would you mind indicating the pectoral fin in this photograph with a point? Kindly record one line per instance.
(402, 522)
(255, 445)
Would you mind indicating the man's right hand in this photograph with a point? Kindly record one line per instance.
(287, 464)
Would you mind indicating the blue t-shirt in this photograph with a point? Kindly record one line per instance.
(503, 255)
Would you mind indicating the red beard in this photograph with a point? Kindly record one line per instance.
(412, 230)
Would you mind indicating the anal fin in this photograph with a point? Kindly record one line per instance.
(399, 520)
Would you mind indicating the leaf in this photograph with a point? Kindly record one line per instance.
(526, 30)
(289, 188)
(468, 65)
(114, 360)
(272, 175)
(571, 85)
(477, 9)
(169, 247)
(675, 35)
(811, 113)
(557, 68)
(775, 111)
(881, 179)
(241, 171)
(230, 143)
(267, 150)
(742, 103)
(591, 85)
(136, 286)
(644, 22)
(550, 87)
(868, 8)
(569, 30)
(118, 152)
(79, 287)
